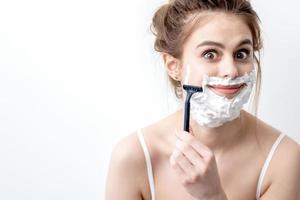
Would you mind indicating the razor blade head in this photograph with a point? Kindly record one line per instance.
(192, 88)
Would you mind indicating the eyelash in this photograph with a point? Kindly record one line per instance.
(245, 51)
(208, 51)
(214, 51)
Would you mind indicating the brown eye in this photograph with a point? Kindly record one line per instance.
(242, 54)
(211, 54)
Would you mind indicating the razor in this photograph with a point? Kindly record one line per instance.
(190, 90)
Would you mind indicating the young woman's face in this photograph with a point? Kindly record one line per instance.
(221, 46)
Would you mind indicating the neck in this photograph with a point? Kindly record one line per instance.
(222, 138)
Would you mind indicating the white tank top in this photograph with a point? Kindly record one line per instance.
(260, 179)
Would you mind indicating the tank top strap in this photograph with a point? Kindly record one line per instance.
(148, 163)
(266, 164)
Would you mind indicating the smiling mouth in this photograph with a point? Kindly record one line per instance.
(226, 90)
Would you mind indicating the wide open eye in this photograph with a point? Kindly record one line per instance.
(210, 54)
(242, 54)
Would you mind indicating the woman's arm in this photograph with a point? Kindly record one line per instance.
(286, 174)
(125, 169)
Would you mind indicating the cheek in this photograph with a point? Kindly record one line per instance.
(196, 74)
(194, 69)
(245, 68)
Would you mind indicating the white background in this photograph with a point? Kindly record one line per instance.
(77, 76)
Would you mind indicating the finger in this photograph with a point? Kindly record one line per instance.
(183, 162)
(176, 167)
(202, 150)
(190, 173)
(207, 154)
(191, 131)
(189, 152)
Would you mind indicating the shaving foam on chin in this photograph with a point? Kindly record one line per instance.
(211, 110)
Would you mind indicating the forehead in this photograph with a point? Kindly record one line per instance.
(225, 28)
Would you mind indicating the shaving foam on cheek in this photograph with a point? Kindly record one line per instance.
(211, 110)
(187, 75)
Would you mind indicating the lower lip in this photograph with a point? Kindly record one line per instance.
(226, 91)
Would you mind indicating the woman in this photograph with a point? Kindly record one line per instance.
(228, 153)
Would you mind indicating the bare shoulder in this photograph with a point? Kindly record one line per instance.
(128, 151)
(284, 171)
(267, 135)
(126, 168)
(286, 161)
(127, 175)
(283, 175)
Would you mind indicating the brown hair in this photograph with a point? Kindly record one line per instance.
(174, 21)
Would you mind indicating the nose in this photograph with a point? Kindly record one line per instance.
(228, 68)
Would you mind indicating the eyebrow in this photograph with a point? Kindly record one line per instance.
(212, 43)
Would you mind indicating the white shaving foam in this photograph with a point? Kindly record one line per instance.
(187, 75)
(212, 110)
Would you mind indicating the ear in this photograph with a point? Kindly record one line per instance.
(173, 66)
